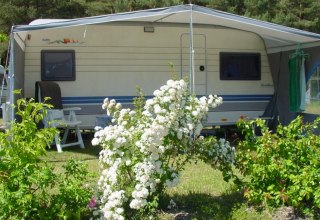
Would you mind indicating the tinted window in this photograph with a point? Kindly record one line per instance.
(58, 65)
(240, 66)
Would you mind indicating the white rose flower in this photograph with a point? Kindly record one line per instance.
(144, 193)
(190, 126)
(161, 149)
(95, 141)
(157, 93)
(172, 92)
(128, 162)
(149, 102)
(134, 204)
(119, 210)
(108, 214)
(189, 108)
(118, 106)
(195, 113)
(183, 84)
(164, 87)
(166, 99)
(170, 83)
(104, 106)
(157, 109)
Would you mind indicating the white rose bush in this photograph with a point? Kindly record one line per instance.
(146, 148)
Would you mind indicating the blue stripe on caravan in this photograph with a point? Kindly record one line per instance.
(247, 97)
(129, 99)
(98, 99)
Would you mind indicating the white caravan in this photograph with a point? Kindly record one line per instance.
(95, 59)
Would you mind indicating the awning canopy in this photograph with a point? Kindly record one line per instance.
(276, 37)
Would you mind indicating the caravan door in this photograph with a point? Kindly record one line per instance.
(200, 61)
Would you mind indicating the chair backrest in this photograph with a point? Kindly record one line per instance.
(49, 89)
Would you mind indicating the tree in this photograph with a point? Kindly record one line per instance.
(261, 9)
(133, 5)
(232, 6)
(15, 12)
(98, 7)
(302, 14)
(4, 39)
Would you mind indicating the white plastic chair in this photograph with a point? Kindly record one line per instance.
(59, 117)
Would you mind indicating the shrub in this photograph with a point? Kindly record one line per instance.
(282, 167)
(146, 148)
(29, 187)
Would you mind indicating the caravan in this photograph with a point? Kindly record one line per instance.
(109, 56)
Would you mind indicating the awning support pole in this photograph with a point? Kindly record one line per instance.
(191, 74)
(11, 77)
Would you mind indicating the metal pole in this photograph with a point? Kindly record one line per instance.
(191, 80)
(11, 76)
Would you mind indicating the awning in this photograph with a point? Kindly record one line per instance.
(276, 37)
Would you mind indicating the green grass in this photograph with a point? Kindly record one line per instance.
(201, 194)
(313, 107)
(89, 156)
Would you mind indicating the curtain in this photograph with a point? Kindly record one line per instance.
(297, 84)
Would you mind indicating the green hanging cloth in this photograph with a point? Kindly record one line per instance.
(297, 83)
(294, 97)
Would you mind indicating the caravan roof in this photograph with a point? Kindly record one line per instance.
(276, 37)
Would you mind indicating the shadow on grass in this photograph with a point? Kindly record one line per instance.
(88, 153)
(202, 206)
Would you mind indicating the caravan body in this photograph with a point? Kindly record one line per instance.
(111, 60)
(110, 55)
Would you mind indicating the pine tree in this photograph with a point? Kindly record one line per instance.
(232, 6)
(302, 14)
(261, 9)
(15, 12)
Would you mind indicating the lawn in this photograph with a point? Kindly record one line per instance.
(201, 194)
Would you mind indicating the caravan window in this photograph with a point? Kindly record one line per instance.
(58, 65)
(240, 66)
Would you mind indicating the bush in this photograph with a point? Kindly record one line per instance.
(282, 167)
(147, 148)
(29, 187)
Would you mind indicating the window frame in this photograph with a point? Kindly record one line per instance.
(68, 76)
(228, 57)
